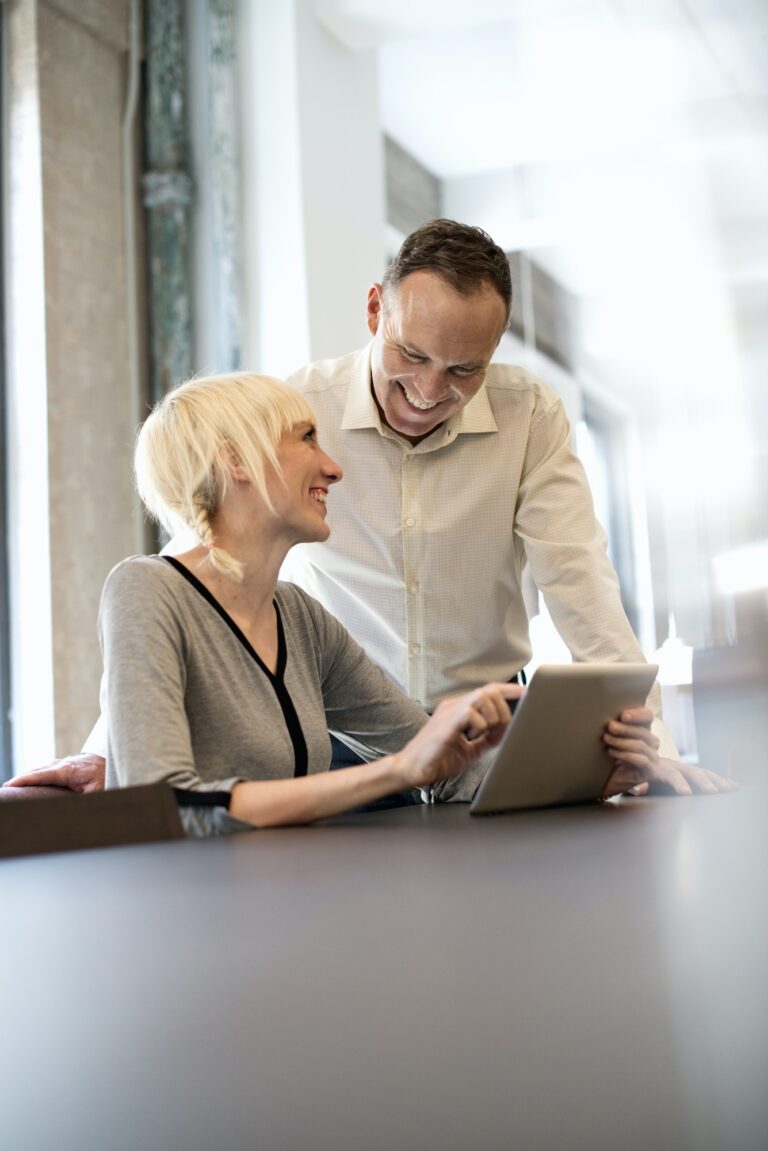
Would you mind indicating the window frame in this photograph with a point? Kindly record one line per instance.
(6, 769)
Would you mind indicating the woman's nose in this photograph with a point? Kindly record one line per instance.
(331, 470)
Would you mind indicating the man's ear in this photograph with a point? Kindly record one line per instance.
(375, 308)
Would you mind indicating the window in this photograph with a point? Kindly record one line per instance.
(602, 448)
(5, 693)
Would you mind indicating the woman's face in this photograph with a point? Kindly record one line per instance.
(299, 495)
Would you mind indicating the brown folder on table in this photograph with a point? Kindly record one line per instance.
(71, 822)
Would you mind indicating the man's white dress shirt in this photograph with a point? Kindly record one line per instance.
(425, 561)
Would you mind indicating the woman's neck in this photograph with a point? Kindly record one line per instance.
(250, 601)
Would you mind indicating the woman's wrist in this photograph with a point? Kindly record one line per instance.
(266, 803)
(399, 770)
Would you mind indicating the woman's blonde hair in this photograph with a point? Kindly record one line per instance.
(186, 442)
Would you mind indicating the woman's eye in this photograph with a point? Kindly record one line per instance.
(414, 357)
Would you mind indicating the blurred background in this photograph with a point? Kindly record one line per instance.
(196, 186)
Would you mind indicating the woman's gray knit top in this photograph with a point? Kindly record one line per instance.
(189, 703)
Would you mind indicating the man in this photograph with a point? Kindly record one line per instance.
(458, 472)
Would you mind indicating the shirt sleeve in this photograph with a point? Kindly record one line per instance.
(142, 694)
(566, 550)
(566, 547)
(96, 742)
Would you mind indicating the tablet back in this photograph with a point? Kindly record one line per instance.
(553, 752)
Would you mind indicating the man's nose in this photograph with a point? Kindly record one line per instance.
(431, 382)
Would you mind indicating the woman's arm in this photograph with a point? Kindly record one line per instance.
(143, 641)
(454, 737)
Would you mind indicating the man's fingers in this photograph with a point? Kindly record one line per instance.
(667, 773)
(624, 777)
(640, 770)
(38, 777)
(637, 715)
(615, 731)
(720, 781)
(700, 781)
(82, 773)
(703, 780)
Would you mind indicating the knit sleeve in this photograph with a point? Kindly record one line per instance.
(362, 705)
(143, 686)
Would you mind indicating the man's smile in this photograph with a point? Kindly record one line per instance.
(415, 402)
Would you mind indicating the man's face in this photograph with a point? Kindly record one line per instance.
(431, 348)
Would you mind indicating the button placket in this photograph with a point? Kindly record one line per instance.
(414, 608)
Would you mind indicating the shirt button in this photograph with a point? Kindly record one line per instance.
(414, 648)
(410, 521)
(413, 588)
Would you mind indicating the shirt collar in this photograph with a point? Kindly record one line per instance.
(360, 410)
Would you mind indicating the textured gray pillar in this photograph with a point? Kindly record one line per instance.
(167, 197)
(70, 412)
(225, 182)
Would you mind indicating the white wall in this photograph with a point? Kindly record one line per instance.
(313, 187)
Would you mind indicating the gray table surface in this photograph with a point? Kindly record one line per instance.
(584, 978)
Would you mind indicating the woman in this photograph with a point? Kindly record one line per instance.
(219, 680)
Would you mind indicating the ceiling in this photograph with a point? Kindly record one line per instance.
(623, 143)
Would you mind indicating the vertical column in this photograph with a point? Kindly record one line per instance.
(225, 183)
(167, 197)
(29, 555)
(70, 407)
(313, 187)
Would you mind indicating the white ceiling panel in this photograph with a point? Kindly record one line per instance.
(623, 142)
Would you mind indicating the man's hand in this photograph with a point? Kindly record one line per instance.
(641, 771)
(82, 773)
(675, 778)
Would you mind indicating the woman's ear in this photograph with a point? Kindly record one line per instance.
(230, 461)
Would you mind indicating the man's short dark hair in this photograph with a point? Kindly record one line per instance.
(464, 256)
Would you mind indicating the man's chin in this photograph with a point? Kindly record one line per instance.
(413, 423)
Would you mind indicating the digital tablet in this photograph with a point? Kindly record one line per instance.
(553, 751)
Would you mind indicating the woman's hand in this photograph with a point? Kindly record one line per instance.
(457, 733)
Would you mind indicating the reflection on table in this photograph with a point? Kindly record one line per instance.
(583, 978)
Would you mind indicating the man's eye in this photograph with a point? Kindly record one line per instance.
(310, 435)
(414, 357)
(462, 371)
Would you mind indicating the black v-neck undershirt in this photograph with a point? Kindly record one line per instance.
(277, 680)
